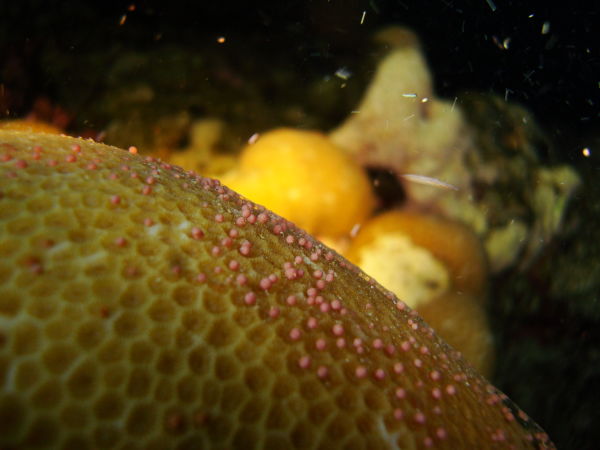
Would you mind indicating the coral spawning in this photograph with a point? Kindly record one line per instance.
(145, 306)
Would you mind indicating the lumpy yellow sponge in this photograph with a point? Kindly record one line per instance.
(450, 243)
(304, 177)
(462, 321)
(438, 267)
(145, 307)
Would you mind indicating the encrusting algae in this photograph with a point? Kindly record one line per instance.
(143, 306)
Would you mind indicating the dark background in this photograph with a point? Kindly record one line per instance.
(554, 74)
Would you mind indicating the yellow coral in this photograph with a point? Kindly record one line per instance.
(145, 307)
(34, 126)
(305, 178)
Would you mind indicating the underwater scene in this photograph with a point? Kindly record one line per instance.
(299, 224)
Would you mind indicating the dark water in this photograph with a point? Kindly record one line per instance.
(257, 67)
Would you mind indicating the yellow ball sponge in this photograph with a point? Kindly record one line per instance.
(449, 242)
(146, 307)
(305, 178)
(462, 321)
(436, 266)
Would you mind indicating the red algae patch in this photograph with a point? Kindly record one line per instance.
(184, 316)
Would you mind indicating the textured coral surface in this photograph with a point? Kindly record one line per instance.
(145, 307)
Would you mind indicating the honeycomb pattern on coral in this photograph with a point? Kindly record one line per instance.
(144, 307)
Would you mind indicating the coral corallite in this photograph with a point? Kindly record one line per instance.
(142, 306)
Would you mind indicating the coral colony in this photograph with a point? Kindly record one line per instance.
(145, 306)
